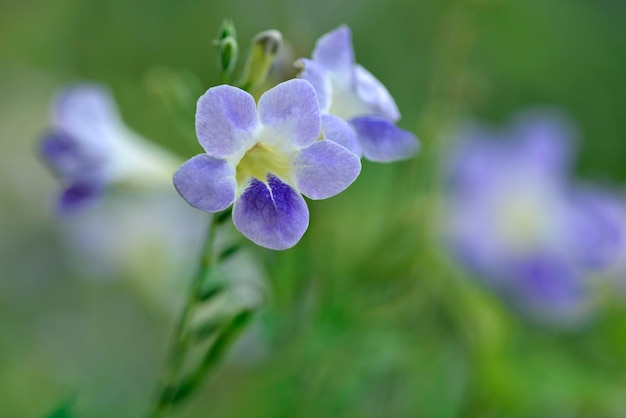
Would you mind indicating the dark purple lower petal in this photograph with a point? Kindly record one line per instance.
(547, 286)
(272, 214)
(79, 196)
(382, 141)
(206, 183)
(68, 159)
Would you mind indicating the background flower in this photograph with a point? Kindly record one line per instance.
(348, 91)
(89, 148)
(514, 216)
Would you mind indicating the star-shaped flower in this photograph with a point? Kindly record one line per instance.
(89, 148)
(514, 215)
(347, 92)
(262, 159)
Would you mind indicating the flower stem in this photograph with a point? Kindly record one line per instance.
(174, 386)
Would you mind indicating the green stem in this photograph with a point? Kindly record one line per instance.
(179, 342)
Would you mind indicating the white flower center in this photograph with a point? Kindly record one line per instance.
(525, 219)
(346, 103)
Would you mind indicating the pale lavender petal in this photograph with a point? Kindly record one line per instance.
(78, 196)
(372, 92)
(291, 112)
(272, 215)
(226, 119)
(382, 141)
(334, 52)
(475, 159)
(325, 169)
(341, 132)
(86, 111)
(547, 137)
(597, 228)
(206, 183)
(316, 75)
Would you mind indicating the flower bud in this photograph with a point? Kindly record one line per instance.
(227, 47)
(262, 53)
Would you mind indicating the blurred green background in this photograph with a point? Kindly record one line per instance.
(365, 317)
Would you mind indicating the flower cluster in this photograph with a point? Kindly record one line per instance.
(514, 217)
(305, 137)
(90, 148)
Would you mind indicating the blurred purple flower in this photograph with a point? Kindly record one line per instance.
(90, 148)
(347, 92)
(514, 217)
(600, 220)
(262, 159)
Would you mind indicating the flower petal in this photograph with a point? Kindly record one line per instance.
(597, 226)
(545, 283)
(206, 183)
(377, 97)
(382, 141)
(341, 132)
(325, 169)
(547, 137)
(226, 119)
(316, 75)
(290, 111)
(69, 158)
(272, 215)
(78, 196)
(87, 112)
(333, 51)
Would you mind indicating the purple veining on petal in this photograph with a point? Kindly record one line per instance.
(206, 183)
(341, 132)
(333, 51)
(383, 141)
(316, 75)
(226, 118)
(375, 94)
(291, 111)
(271, 214)
(325, 169)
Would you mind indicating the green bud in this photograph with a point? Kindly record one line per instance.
(227, 47)
(262, 53)
(229, 52)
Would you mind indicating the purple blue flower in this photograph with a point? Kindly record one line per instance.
(516, 219)
(348, 93)
(600, 219)
(262, 159)
(89, 148)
